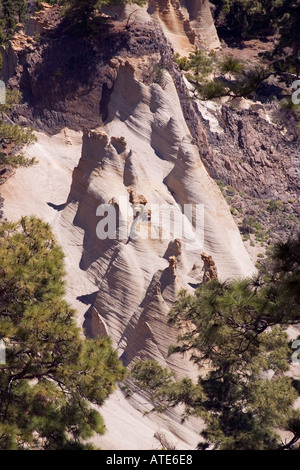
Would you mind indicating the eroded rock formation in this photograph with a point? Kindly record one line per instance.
(136, 199)
(43, 20)
(136, 146)
(138, 277)
(25, 40)
(186, 23)
(173, 265)
(210, 268)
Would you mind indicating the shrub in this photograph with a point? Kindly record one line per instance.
(230, 191)
(230, 64)
(213, 89)
(183, 62)
(274, 206)
(15, 134)
(159, 75)
(16, 160)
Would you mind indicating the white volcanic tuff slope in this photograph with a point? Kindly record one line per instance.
(145, 145)
(43, 190)
(135, 286)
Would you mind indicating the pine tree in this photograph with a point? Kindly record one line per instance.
(83, 9)
(12, 136)
(238, 330)
(13, 12)
(51, 373)
(289, 30)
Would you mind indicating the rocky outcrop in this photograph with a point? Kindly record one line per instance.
(24, 41)
(136, 199)
(202, 23)
(142, 150)
(258, 157)
(43, 20)
(190, 18)
(14, 52)
(210, 269)
(253, 155)
(186, 23)
(59, 91)
(5, 173)
(173, 265)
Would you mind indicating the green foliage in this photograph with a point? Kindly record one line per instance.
(274, 206)
(286, 259)
(293, 425)
(293, 109)
(199, 63)
(289, 30)
(213, 89)
(230, 191)
(11, 13)
(16, 161)
(250, 18)
(221, 184)
(250, 225)
(236, 330)
(183, 62)
(13, 136)
(51, 373)
(13, 97)
(161, 381)
(82, 17)
(231, 64)
(82, 10)
(288, 104)
(159, 75)
(249, 80)
(199, 66)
